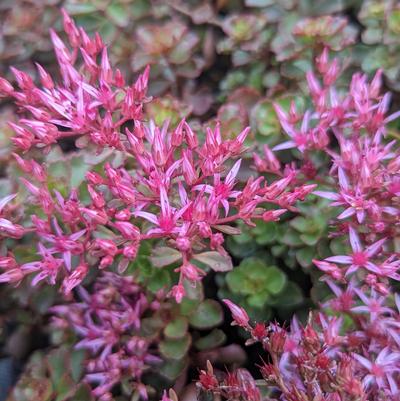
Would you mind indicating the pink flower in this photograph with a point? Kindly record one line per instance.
(382, 370)
(373, 305)
(75, 278)
(178, 292)
(360, 257)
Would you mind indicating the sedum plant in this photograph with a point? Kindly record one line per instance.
(349, 350)
(131, 183)
(168, 185)
(314, 361)
(143, 211)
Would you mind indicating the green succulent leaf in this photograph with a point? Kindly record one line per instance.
(258, 300)
(164, 256)
(118, 13)
(177, 328)
(275, 280)
(300, 223)
(214, 339)
(77, 359)
(207, 315)
(234, 280)
(305, 256)
(160, 279)
(216, 261)
(175, 348)
(290, 297)
(310, 239)
(172, 368)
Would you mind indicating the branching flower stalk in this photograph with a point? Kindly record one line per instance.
(170, 186)
(323, 360)
(108, 322)
(317, 361)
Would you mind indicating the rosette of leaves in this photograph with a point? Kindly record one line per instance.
(260, 287)
(170, 47)
(192, 328)
(245, 106)
(144, 32)
(24, 31)
(246, 37)
(264, 121)
(273, 40)
(53, 376)
(381, 20)
(289, 245)
(299, 39)
(167, 108)
(296, 240)
(305, 236)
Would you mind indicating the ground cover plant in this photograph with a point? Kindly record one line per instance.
(170, 167)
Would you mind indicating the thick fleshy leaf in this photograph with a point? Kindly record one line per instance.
(177, 328)
(172, 368)
(164, 256)
(276, 280)
(227, 229)
(175, 348)
(290, 297)
(212, 340)
(207, 315)
(215, 261)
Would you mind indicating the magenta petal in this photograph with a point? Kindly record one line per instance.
(372, 267)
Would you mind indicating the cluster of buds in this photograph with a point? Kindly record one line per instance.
(108, 321)
(364, 170)
(322, 361)
(10, 229)
(318, 361)
(170, 185)
(90, 104)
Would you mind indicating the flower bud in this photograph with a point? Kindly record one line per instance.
(123, 214)
(178, 292)
(277, 341)
(106, 261)
(128, 230)
(130, 251)
(239, 315)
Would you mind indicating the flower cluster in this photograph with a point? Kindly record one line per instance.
(159, 192)
(169, 186)
(323, 360)
(108, 322)
(91, 102)
(319, 360)
(351, 129)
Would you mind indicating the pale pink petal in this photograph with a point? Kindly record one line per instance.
(355, 240)
(327, 195)
(347, 213)
(284, 145)
(374, 248)
(342, 259)
(230, 178)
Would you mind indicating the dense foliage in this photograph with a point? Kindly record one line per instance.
(171, 163)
